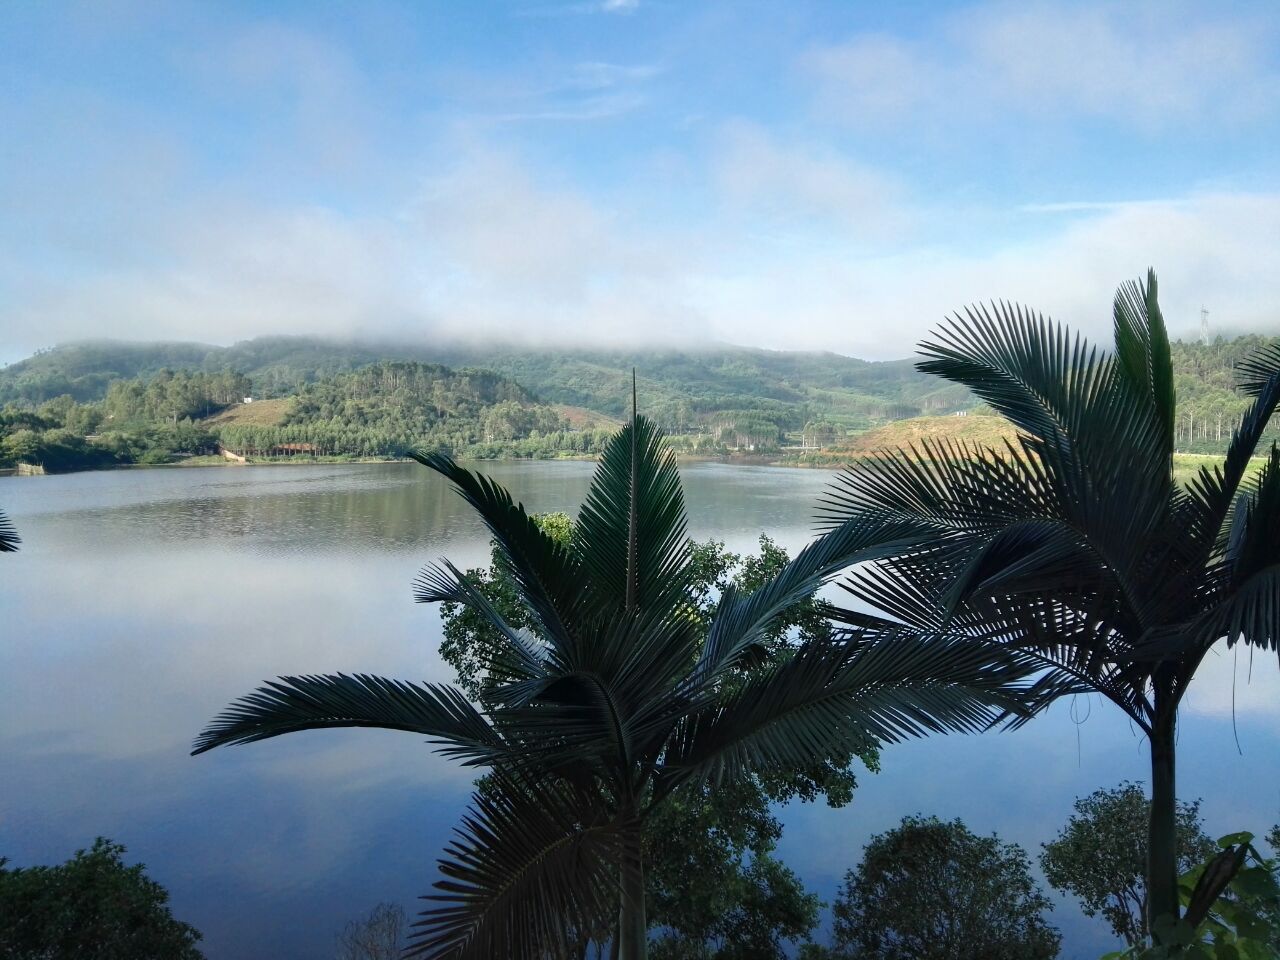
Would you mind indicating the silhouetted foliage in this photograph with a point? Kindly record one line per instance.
(1074, 544)
(711, 881)
(1100, 856)
(617, 698)
(930, 890)
(91, 906)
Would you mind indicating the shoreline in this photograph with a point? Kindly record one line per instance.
(216, 461)
(1183, 460)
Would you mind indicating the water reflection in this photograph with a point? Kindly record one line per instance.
(144, 600)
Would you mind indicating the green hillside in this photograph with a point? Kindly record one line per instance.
(682, 390)
(95, 402)
(384, 409)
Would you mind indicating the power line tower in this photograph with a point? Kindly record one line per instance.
(1204, 326)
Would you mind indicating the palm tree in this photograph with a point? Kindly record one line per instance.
(9, 538)
(612, 701)
(1074, 543)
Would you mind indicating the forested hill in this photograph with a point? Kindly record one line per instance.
(679, 389)
(717, 399)
(384, 409)
(391, 407)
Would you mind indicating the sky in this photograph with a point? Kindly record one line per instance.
(822, 176)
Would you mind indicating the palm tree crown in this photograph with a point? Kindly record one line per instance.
(611, 701)
(1074, 542)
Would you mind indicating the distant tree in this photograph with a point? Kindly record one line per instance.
(929, 890)
(92, 906)
(1100, 856)
(379, 936)
(1273, 840)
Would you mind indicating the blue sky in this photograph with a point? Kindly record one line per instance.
(795, 175)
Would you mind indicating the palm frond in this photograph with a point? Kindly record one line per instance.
(529, 866)
(1037, 557)
(523, 657)
(958, 486)
(1103, 445)
(1250, 614)
(1211, 493)
(1255, 373)
(9, 538)
(741, 620)
(545, 571)
(1025, 366)
(1142, 347)
(832, 697)
(342, 700)
(631, 532)
(1068, 630)
(1255, 529)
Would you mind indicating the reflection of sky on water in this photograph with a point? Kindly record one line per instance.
(144, 600)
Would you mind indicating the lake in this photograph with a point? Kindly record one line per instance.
(144, 600)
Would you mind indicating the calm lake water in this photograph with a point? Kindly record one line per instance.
(143, 601)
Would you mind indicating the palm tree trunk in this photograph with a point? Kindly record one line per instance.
(633, 926)
(1162, 836)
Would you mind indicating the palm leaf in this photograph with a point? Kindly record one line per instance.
(1211, 494)
(1255, 533)
(1255, 373)
(740, 621)
(1251, 614)
(530, 865)
(631, 530)
(545, 571)
(956, 486)
(1103, 445)
(9, 538)
(524, 656)
(836, 697)
(1142, 347)
(341, 700)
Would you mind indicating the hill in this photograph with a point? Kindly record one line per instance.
(381, 410)
(987, 430)
(711, 400)
(682, 390)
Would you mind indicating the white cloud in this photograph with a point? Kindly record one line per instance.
(1236, 682)
(272, 71)
(1138, 64)
(799, 248)
(1216, 249)
(570, 9)
(789, 187)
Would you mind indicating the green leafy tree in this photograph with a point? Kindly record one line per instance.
(930, 890)
(616, 699)
(1235, 893)
(1100, 856)
(711, 883)
(91, 906)
(1073, 543)
(713, 887)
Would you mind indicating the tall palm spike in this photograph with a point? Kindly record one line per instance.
(612, 702)
(632, 518)
(1073, 543)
